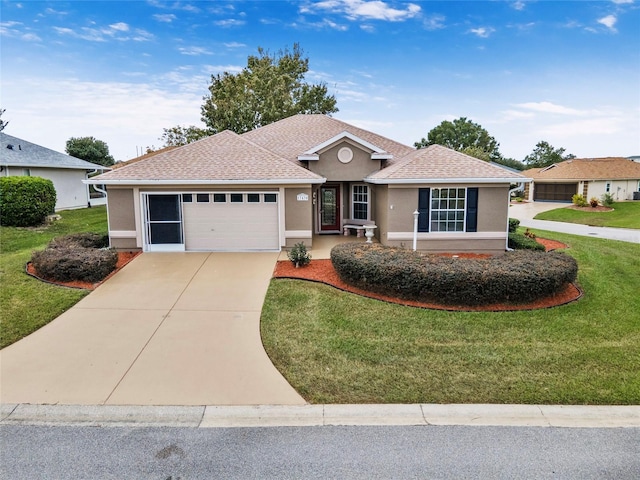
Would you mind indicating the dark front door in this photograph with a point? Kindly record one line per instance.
(330, 208)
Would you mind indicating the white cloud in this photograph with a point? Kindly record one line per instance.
(230, 22)
(609, 21)
(519, 5)
(482, 32)
(117, 31)
(165, 17)
(434, 22)
(194, 51)
(234, 45)
(548, 107)
(622, 2)
(363, 9)
(216, 69)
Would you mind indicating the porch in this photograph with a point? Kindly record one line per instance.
(322, 245)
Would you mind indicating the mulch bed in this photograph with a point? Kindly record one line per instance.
(123, 259)
(599, 208)
(322, 271)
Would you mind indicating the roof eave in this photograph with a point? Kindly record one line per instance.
(407, 181)
(279, 181)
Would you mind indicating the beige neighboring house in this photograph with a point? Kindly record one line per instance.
(19, 157)
(303, 176)
(590, 177)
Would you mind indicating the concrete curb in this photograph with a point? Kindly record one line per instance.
(565, 416)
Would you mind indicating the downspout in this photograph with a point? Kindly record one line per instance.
(97, 188)
(519, 187)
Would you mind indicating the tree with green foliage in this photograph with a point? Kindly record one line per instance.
(3, 124)
(26, 201)
(545, 154)
(463, 134)
(511, 162)
(179, 135)
(271, 87)
(90, 149)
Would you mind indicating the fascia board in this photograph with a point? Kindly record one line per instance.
(298, 181)
(408, 181)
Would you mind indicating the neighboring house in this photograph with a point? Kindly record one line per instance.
(590, 177)
(19, 157)
(303, 176)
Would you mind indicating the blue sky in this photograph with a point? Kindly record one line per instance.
(564, 72)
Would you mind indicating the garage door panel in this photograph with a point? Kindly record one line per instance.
(556, 192)
(231, 226)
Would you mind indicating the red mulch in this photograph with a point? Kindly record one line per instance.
(123, 259)
(322, 271)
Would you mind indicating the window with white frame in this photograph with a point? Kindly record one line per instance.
(448, 209)
(360, 202)
(607, 187)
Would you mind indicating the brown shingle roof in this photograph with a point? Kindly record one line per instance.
(295, 135)
(608, 168)
(438, 162)
(225, 156)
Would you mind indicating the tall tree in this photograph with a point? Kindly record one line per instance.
(545, 154)
(3, 124)
(179, 135)
(268, 89)
(463, 134)
(90, 149)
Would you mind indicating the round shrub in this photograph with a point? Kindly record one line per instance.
(26, 201)
(74, 263)
(80, 240)
(519, 241)
(514, 277)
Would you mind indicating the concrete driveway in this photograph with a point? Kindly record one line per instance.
(168, 329)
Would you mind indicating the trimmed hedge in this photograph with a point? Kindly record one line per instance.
(518, 241)
(514, 223)
(77, 257)
(26, 201)
(514, 277)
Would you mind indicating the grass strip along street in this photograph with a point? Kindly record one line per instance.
(623, 215)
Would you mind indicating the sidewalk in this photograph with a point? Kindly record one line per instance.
(565, 416)
(525, 212)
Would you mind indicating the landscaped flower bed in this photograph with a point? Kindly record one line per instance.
(514, 277)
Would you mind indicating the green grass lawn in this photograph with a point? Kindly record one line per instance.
(26, 303)
(336, 347)
(624, 215)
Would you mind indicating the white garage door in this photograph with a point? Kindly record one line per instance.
(231, 221)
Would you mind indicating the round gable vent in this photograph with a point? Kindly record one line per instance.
(345, 154)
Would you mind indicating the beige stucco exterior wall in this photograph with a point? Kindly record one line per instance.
(333, 170)
(298, 223)
(123, 230)
(70, 191)
(401, 201)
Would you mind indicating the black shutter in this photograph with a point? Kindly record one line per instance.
(472, 209)
(423, 209)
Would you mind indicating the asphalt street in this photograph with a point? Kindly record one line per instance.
(425, 452)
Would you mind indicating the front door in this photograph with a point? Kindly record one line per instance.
(330, 208)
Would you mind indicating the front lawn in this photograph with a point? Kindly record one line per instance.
(336, 347)
(26, 303)
(624, 215)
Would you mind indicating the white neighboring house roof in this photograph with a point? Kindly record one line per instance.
(16, 152)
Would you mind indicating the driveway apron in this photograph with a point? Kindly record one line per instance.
(168, 329)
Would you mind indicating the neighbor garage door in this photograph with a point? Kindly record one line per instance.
(556, 192)
(238, 221)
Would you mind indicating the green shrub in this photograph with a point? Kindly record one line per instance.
(607, 200)
(514, 277)
(514, 223)
(299, 255)
(579, 200)
(26, 201)
(519, 241)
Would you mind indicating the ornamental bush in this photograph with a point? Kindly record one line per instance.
(519, 241)
(77, 257)
(26, 201)
(514, 277)
(514, 223)
(579, 200)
